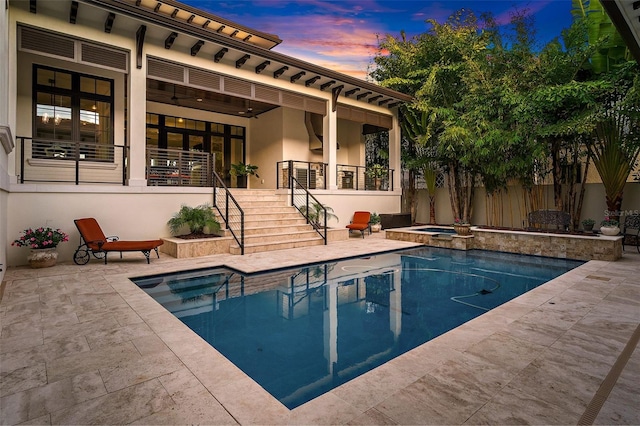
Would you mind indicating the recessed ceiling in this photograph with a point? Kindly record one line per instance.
(189, 97)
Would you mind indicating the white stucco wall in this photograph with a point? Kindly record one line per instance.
(132, 215)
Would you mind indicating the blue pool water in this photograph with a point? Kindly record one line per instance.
(301, 332)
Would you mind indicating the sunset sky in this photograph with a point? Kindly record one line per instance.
(343, 35)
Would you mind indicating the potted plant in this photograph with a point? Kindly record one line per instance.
(587, 224)
(609, 227)
(315, 213)
(376, 172)
(375, 222)
(42, 242)
(240, 171)
(461, 227)
(196, 219)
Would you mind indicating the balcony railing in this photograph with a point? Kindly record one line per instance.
(362, 178)
(307, 174)
(172, 167)
(56, 161)
(312, 175)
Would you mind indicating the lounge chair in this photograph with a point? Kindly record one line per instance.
(360, 223)
(93, 242)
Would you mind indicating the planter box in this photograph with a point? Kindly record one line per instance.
(180, 248)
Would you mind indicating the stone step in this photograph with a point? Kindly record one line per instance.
(281, 245)
(251, 209)
(250, 239)
(255, 222)
(268, 216)
(277, 229)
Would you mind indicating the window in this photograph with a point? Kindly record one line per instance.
(178, 133)
(73, 114)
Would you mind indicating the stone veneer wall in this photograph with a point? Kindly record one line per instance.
(596, 247)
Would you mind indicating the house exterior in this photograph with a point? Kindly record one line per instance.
(121, 110)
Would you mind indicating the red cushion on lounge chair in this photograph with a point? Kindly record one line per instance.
(360, 221)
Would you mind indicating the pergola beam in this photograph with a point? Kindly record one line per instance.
(142, 30)
(311, 81)
(73, 12)
(262, 66)
(218, 56)
(168, 42)
(196, 47)
(280, 71)
(108, 23)
(240, 62)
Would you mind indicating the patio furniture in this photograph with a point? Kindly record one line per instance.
(631, 231)
(360, 222)
(94, 242)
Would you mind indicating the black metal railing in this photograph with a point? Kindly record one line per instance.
(363, 178)
(173, 167)
(229, 209)
(309, 206)
(311, 175)
(50, 160)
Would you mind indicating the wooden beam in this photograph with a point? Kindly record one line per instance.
(168, 42)
(335, 92)
(374, 98)
(157, 8)
(73, 13)
(297, 77)
(33, 6)
(142, 30)
(175, 12)
(311, 81)
(363, 95)
(218, 56)
(384, 101)
(351, 92)
(191, 18)
(262, 66)
(108, 24)
(240, 62)
(196, 47)
(279, 72)
(222, 27)
(393, 105)
(327, 84)
(247, 38)
(206, 23)
(233, 34)
(138, 2)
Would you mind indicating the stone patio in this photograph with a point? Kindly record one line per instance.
(84, 345)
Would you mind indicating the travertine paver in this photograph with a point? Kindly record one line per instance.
(84, 345)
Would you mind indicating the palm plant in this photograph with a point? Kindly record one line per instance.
(615, 149)
(316, 214)
(195, 218)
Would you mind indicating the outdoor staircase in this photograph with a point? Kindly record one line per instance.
(271, 224)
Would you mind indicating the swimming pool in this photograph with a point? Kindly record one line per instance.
(302, 332)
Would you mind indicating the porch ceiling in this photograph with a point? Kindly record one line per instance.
(178, 31)
(189, 97)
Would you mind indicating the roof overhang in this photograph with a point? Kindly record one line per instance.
(625, 15)
(249, 54)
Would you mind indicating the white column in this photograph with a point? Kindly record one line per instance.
(330, 146)
(395, 152)
(136, 121)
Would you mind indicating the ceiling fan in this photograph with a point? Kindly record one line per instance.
(175, 99)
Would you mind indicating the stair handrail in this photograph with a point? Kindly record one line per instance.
(230, 209)
(307, 213)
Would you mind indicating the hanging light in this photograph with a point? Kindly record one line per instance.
(57, 120)
(45, 118)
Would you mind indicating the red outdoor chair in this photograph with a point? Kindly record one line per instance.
(93, 242)
(360, 223)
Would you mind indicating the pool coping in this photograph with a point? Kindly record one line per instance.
(394, 392)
